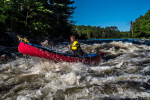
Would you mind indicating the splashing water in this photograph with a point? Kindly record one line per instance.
(123, 73)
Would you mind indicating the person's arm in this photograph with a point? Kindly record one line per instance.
(69, 46)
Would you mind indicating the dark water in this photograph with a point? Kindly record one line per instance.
(124, 73)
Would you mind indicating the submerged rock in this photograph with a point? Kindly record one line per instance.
(4, 58)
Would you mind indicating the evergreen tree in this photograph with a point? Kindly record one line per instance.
(37, 17)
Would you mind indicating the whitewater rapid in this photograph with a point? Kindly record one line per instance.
(123, 73)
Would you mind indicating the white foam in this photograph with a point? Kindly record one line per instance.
(23, 98)
(70, 78)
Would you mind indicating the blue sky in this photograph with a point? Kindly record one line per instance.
(109, 12)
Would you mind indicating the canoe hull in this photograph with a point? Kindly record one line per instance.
(27, 49)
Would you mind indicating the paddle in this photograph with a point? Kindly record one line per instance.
(23, 39)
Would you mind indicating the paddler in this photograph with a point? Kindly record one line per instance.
(75, 48)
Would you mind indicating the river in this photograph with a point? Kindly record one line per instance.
(124, 73)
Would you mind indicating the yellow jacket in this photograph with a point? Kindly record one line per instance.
(75, 45)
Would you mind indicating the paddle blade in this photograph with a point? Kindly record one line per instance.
(23, 39)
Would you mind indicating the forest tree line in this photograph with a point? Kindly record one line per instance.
(141, 29)
(97, 32)
(38, 18)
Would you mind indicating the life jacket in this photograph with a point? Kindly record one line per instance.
(75, 45)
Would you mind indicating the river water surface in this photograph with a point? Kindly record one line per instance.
(123, 73)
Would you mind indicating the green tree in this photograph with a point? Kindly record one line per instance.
(37, 17)
(141, 26)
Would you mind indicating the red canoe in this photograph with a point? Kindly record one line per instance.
(42, 52)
